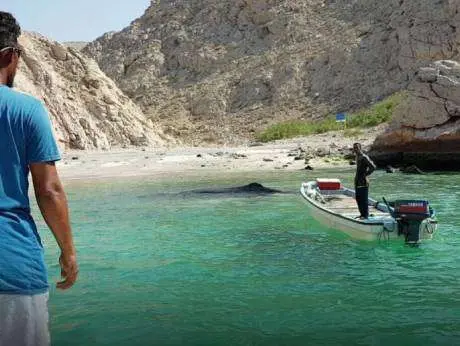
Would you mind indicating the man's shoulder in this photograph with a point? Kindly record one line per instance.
(21, 99)
(363, 158)
(368, 159)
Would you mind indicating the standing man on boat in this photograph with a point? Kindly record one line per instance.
(27, 145)
(364, 168)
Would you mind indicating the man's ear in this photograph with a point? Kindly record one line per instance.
(6, 58)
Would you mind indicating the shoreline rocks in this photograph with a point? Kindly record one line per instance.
(447, 161)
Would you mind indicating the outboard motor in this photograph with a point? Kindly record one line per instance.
(410, 214)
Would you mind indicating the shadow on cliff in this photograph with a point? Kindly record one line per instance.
(418, 162)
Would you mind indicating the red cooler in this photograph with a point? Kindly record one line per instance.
(329, 184)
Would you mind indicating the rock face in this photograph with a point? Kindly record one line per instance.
(78, 45)
(216, 71)
(88, 110)
(426, 128)
(394, 38)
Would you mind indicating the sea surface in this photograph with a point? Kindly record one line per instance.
(162, 265)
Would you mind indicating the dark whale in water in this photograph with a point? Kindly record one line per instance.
(252, 189)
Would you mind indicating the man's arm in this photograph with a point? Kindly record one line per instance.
(52, 202)
(371, 167)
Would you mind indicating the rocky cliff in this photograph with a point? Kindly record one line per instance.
(78, 45)
(88, 110)
(219, 71)
(426, 128)
(394, 38)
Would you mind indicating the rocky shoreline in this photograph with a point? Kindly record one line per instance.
(425, 161)
(311, 153)
(316, 152)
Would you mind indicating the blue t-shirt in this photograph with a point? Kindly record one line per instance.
(26, 137)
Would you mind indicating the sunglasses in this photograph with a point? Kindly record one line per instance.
(16, 50)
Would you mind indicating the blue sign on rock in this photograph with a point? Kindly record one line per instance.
(341, 117)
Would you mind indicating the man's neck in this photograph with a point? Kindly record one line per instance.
(3, 78)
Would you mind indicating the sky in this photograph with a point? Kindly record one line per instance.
(74, 20)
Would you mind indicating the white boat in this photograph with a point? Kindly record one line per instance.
(335, 206)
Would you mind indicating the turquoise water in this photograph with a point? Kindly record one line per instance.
(159, 267)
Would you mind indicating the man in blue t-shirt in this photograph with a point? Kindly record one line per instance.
(27, 145)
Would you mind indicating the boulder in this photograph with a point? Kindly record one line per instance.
(427, 123)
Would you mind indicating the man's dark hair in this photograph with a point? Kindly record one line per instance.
(9, 30)
(357, 145)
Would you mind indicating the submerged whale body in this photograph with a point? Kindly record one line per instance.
(253, 188)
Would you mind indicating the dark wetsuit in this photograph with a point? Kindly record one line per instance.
(364, 168)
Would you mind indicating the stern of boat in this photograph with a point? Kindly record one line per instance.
(416, 220)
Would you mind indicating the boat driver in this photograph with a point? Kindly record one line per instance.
(364, 168)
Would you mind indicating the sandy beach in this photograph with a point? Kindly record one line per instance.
(322, 151)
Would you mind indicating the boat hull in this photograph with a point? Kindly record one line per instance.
(382, 228)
